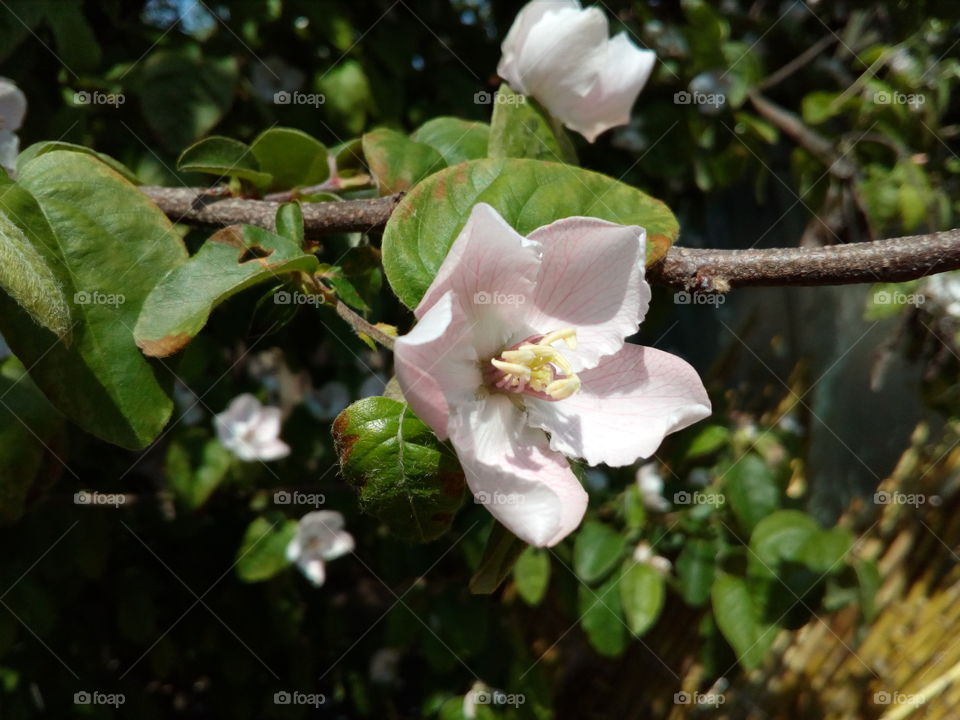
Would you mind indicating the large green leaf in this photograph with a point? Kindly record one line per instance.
(455, 139)
(46, 146)
(292, 157)
(27, 278)
(601, 617)
(777, 539)
(752, 490)
(527, 193)
(521, 128)
(695, 569)
(405, 476)
(596, 550)
(738, 620)
(231, 260)
(642, 591)
(108, 244)
(223, 156)
(397, 162)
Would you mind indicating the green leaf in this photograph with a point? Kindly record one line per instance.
(596, 551)
(45, 146)
(737, 619)
(222, 156)
(752, 491)
(183, 94)
(705, 441)
(196, 465)
(824, 553)
(601, 617)
(456, 140)
(289, 223)
(345, 290)
(28, 279)
(695, 570)
(521, 128)
(532, 575)
(28, 427)
(262, 552)
(779, 538)
(397, 162)
(77, 46)
(501, 551)
(292, 157)
(527, 193)
(231, 260)
(642, 591)
(107, 243)
(819, 106)
(405, 476)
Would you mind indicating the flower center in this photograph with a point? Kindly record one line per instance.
(534, 367)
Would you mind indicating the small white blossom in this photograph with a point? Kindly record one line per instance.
(650, 482)
(643, 554)
(251, 431)
(13, 106)
(943, 290)
(320, 538)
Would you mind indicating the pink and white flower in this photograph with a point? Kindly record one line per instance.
(519, 359)
(13, 106)
(320, 538)
(251, 431)
(564, 57)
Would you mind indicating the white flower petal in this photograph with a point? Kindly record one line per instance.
(315, 571)
(13, 105)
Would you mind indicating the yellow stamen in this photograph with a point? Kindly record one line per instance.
(538, 365)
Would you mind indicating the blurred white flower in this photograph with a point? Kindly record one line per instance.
(4, 349)
(943, 290)
(650, 482)
(320, 538)
(251, 431)
(13, 106)
(563, 56)
(383, 666)
(643, 553)
(326, 402)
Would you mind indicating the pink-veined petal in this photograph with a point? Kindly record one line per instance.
(625, 407)
(591, 279)
(622, 71)
(271, 450)
(510, 469)
(436, 363)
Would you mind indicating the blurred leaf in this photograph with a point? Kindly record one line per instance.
(532, 575)
(348, 98)
(820, 106)
(825, 551)
(231, 260)
(501, 551)
(46, 146)
(596, 551)
(196, 464)
(779, 537)
(456, 140)
(601, 617)
(752, 491)
(405, 476)
(706, 440)
(521, 128)
(737, 619)
(292, 157)
(527, 193)
(222, 156)
(262, 552)
(397, 162)
(77, 46)
(108, 244)
(695, 570)
(642, 591)
(868, 581)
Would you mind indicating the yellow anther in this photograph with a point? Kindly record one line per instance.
(521, 356)
(563, 388)
(510, 368)
(537, 366)
(568, 335)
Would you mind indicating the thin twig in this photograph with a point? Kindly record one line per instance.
(798, 62)
(363, 326)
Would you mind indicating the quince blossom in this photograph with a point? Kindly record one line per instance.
(521, 337)
(13, 106)
(563, 56)
(320, 538)
(251, 431)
